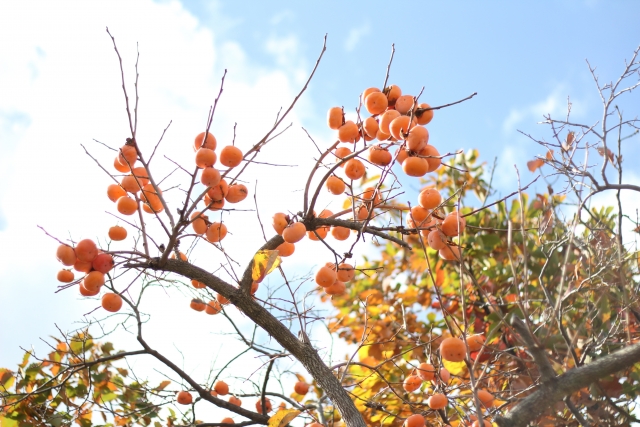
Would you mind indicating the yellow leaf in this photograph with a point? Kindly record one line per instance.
(264, 262)
(456, 368)
(283, 417)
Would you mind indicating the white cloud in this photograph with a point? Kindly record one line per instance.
(355, 35)
(555, 104)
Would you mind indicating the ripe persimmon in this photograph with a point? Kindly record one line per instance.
(486, 398)
(404, 104)
(114, 192)
(205, 158)
(436, 240)
(210, 143)
(126, 205)
(222, 299)
(485, 423)
(335, 117)
(437, 401)
(368, 91)
(267, 406)
(434, 162)
(210, 177)
(453, 224)
(348, 132)
(379, 156)
(236, 193)
(444, 375)
(93, 280)
(453, 349)
(400, 127)
(426, 371)
(415, 420)
(231, 156)
(182, 255)
(102, 263)
(227, 420)
(341, 153)
(86, 250)
(184, 398)
(411, 383)
(141, 175)
(362, 213)
(415, 166)
(340, 233)
(65, 276)
(119, 166)
(325, 276)
(317, 234)
(213, 205)
(345, 272)
(127, 156)
(419, 214)
(197, 304)
(417, 139)
(66, 255)
(393, 92)
(370, 194)
(336, 288)
(401, 155)
(385, 121)
(197, 285)
(429, 198)
(301, 387)
(381, 136)
(130, 184)
(216, 232)
(376, 103)
(286, 249)
(82, 266)
(293, 233)
(112, 302)
(450, 253)
(198, 223)
(354, 169)
(335, 185)
(370, 126)
(235, 401)
(218, 192)
(86, 293)
(422, 115)
(213, 307)
(280, 222)
(475, 342)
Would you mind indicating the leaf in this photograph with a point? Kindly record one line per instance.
(535, 164)
(283, 417)
(162, 385)
(456, 368)
(264, 262)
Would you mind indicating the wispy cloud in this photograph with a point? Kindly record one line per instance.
(555, 104)
(355, 35)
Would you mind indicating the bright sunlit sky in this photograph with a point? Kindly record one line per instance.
(60, 87)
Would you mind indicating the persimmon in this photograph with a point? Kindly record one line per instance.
(368, 91)
(485, 423)
(348, 132)
(335, 185)
(415, 166)
(65, 276)
(475, 342)
(119, 166)
(236, 193)
(354, 169)
(93, 280)
(216, 232)
(205, 158)
(453, 349)
(280, 222)
(213, 393)
(404, 104)
(444, 375)
(345, 272)
(376, 103)
(317, 234)
(127, 156)
(66, 255)
(86, 293)
(381, 136)
(429, 198)
(423, 115)
(210, 177)
(336, 288)
(197, 285)
(184, 398)
(115, 191)
(221, 388)
(401, 155)
(198, 223)
(370, 126)
(210, 142)
(418, 138)
(370, 194)
(301, 388)
(141, 175)
(111, 302)
(182, 255)
(325, 276)
(218, 192)
(227, 420)
(434, 162)
(82, 266)
(197, 304)
(411, 383)
(450, 253)
(340, 233)
(362, 213)
(419, 214)
(400, 127)
(293, 233)
(231, 156)
(213, 307)
(286, 249)
(393, 92)
(415, 420)
(438, 401)
(453, 224)
(267, 406)
(235, 401)
(436, 240)
(213, 205)
(426, 371)
(222, 299)
(486, 398)
(335, 117)
(379, 156)
(385, 121)
(126, 205)
(130, 184)
(341, 153)
(103, 263)
(86, 250)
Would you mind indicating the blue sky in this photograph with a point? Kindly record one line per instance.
(59, 87)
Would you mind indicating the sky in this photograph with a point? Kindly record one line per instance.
(60, 89)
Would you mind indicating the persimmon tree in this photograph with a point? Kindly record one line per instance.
(471, 311)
